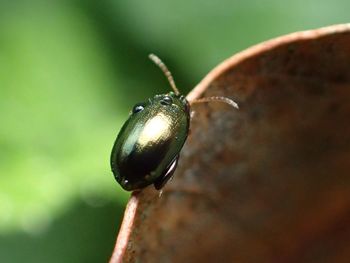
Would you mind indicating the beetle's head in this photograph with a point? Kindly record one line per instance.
(170, 99)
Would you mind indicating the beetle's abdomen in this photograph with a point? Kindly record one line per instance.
(142, 152)
(146, 145)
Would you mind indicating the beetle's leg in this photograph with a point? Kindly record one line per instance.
(192, 114)
(167, 175)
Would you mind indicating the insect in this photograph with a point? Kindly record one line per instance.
(147, 147)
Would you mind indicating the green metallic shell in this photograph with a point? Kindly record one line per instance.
(150, 140)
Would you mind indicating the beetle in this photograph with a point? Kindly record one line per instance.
(146, 150)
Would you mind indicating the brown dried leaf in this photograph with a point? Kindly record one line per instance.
(267, 183)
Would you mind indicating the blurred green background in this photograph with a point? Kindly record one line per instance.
(69, 73)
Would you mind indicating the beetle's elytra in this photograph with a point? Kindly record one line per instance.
(147, 147)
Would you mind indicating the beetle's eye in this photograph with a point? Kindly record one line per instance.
(166, 100)
(137, 108)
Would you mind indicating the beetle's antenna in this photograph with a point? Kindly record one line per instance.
(166, 72)
(217, 98)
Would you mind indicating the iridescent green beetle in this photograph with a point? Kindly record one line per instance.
(147, 147)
